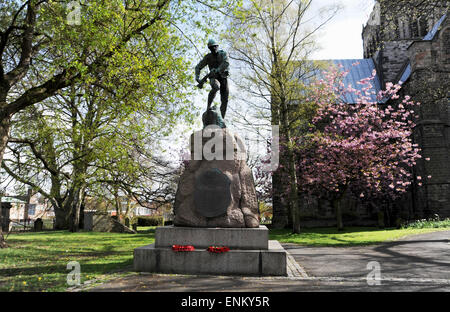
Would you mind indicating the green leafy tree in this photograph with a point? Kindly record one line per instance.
(81, 142)
(48, 46)
(270, 41)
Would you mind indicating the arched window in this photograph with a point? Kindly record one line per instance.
(401, 28)
(407, 28)
(423, 27)
(414, 29)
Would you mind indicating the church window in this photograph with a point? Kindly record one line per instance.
(423, 29)
(414, 29)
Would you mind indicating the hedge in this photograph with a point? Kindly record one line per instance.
(147, 220)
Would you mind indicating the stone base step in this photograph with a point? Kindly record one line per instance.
(269, 262)
(233, 238)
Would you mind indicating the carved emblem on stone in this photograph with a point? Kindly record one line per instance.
(212, 193)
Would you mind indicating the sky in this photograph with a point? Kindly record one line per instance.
(341, 37)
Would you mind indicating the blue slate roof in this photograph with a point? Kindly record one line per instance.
(435, 29)
(356, 73)
(406, 74)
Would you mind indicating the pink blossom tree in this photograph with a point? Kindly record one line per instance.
(364, 149)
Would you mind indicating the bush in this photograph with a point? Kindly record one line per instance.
(428, 223)
(147, 220)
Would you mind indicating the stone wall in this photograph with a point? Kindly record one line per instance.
(101, 222)
(318, 212)
(393, 57)
(429, 85)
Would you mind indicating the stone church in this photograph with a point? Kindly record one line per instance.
(416, 53)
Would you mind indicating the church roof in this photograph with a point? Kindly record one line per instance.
(406, 73)
(358, 69)
(435, 29)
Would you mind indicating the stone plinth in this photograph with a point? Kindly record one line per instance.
(215, 205)
(251, 253)
(269, 262)
(234, 238)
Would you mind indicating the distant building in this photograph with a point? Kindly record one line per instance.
(18, 210)
(36, 209)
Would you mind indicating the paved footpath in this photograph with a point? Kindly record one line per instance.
(415, 263)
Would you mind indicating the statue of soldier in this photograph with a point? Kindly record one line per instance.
(217, 62)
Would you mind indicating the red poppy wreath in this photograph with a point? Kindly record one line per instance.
(217, 249)
(183, 248)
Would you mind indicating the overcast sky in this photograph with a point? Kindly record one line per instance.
(341, 37)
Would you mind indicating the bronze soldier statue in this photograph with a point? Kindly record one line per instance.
(218, 65)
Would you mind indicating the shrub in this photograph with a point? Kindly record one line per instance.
(430, 223)
(148, 220)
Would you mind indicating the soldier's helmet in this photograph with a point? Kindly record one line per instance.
(212, 43)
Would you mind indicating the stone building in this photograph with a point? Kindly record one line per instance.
(416, 53)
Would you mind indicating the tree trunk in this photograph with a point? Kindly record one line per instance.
(337, 205)
(294, 200)
(61, 218)
(2, 239)
(26, 210)
(280, 209)
(117, 205)
(280, 214)
(381, 219)
(82, 206)
(338, 208)
(74, 206)
(293, 187)
(5, 123)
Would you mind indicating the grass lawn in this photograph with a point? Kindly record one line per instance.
(351, 236)
(38, 261)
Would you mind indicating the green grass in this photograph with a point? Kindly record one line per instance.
(352, 236)
(38, 261)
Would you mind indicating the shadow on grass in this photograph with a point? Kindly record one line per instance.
(106, 266)
(53, 277)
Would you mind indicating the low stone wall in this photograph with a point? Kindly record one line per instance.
(101, 222)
